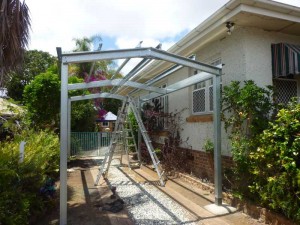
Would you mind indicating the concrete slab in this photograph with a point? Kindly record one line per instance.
(220, 209)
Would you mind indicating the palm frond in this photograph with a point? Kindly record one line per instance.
(14, 36)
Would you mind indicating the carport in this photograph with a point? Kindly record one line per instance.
(147, 55)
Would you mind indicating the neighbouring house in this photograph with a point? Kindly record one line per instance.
(107, 123)
(251, 40)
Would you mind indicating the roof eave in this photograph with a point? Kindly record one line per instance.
(221, 16)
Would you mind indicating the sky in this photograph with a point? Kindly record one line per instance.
(120, 23)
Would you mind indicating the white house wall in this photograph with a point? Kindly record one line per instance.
(246, 54)
(179, 101)
(258, 53)
(231, 51)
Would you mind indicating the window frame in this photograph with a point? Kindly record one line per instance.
(208, 84)
(102, 123)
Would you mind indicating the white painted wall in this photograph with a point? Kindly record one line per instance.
(246, 55)
(231, 50)
(258, 53)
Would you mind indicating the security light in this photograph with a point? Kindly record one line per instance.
(230, 27)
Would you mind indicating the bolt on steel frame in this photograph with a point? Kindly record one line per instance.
(145, 53)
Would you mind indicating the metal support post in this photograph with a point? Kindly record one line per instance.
(69, 127)
(63, 144)
(139, 133)
(217, 138)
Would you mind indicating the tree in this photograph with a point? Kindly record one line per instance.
(87, 44)
(42, 99)
(112, 105)
(82, 44)
(14, 35)
(35, 63)
(100, 70)
(83, 113)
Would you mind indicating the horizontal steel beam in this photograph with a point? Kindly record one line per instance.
(115, 82)
(80, 57)
(99, 95)
(152, 53)
(180, 85)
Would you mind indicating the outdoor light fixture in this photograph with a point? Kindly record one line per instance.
(230, 27)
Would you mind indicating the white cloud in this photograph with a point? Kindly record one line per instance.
(290, 2)
(55, 23)
(123, 43)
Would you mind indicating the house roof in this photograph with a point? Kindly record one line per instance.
(264, 14)
(110, 117)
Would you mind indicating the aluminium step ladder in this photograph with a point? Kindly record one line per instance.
(119, 130)
(114, 141)
(129, 143)
(156, 163)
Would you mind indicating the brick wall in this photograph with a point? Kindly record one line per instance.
(202, 165)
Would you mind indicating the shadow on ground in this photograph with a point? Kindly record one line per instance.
(84, 199)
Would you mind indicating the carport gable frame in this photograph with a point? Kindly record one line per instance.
(152, 53)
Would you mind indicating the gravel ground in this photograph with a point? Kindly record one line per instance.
(145, 203)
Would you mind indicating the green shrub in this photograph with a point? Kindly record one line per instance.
(276, 164)
(20, 182)
(134, 124)
(208, 146)
(246, 112)
(41, 97)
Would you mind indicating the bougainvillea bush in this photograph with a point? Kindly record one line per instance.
(21, 182)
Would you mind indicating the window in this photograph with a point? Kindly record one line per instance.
(202, 95)
(286, 89)
(105, 124)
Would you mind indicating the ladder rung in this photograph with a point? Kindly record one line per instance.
(130, 145)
